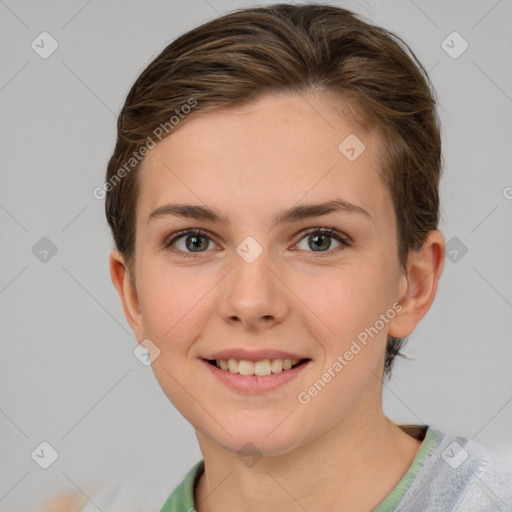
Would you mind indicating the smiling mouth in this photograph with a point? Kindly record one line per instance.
(260, 368)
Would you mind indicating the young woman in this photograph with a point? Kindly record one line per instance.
(273, 198)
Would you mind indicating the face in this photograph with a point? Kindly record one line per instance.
(262, 285)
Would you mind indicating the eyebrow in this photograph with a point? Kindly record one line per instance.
(296, 213)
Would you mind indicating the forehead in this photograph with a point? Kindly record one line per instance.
(276, 151)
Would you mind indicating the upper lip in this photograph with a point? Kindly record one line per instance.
(253, 355)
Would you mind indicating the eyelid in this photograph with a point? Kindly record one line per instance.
(171, 239)
(345, 239)
(333, 232)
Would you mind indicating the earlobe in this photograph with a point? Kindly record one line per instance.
(120, 276)
(418, 284)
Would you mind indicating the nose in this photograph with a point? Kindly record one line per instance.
(253, 294)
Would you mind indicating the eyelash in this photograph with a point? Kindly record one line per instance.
(331, 232)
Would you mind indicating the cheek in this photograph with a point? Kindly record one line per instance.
(346, 321)
(344, 301)
(173, 303)
(174, 306)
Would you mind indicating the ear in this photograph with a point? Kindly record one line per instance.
(120, 276)
(418, 284)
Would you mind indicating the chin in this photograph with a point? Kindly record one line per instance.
(259, 439)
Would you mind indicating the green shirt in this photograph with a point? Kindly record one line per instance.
(182, 498)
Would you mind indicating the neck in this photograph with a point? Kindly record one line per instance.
(352, 468)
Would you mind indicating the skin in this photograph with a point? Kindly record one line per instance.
(338, 452)
(66, 501)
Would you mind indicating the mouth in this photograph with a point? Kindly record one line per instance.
(261, 368)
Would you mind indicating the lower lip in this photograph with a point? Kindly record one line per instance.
(254, 384)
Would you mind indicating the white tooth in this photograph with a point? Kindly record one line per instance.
(233, 365)
(245, 367)
(276, 365)
(262, 368)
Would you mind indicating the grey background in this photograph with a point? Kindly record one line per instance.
(68, 373)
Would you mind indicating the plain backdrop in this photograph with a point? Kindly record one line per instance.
(68, 373)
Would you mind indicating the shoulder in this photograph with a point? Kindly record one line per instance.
(461, 475)
(491, 486)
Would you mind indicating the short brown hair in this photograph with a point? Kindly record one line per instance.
(235, 59)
